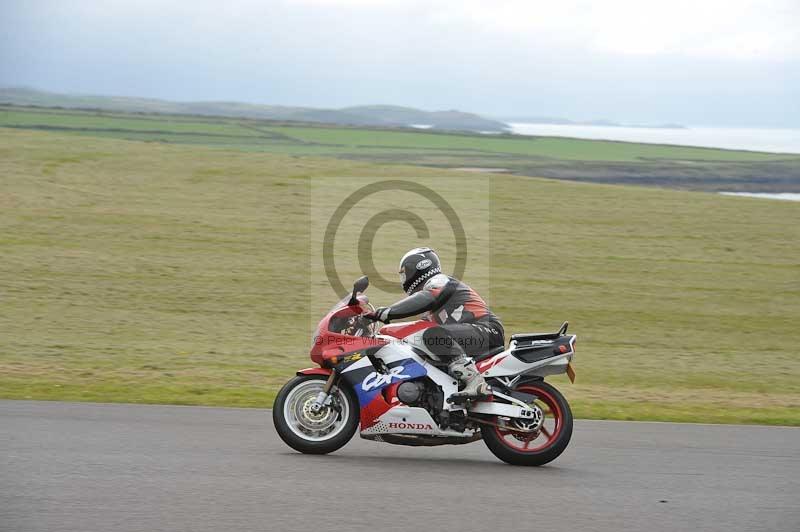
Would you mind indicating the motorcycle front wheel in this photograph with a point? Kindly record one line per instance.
(533, 443)
(310, 432)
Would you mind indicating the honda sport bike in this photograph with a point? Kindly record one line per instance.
(399, 392)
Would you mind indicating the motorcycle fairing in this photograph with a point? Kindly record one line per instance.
(381, 411)
(550, 357)
(410, 421)
(314, 371)
(403, 355)
(535, 350)
(329, 340)
(405, 328)
(369, 385)
(384, 414)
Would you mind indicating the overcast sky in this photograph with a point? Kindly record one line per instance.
(697, 62)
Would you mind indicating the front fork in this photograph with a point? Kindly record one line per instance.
(324, 398)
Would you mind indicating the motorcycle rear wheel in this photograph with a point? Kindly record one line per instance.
(538, 447)
(311, 432)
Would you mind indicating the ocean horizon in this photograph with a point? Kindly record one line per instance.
(774, 140)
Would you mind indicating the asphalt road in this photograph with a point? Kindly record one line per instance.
(119, 468)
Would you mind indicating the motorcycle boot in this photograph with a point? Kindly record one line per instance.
(475, 385)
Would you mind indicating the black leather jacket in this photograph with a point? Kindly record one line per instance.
(445, 300)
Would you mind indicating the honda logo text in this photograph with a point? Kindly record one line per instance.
(414, 426)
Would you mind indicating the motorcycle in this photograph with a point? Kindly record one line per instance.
(400, 392)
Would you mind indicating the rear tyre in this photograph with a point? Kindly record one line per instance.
(311, 432)
(528, 443)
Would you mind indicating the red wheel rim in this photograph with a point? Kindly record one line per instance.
(526, 442)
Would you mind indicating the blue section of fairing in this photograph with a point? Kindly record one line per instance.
(372, 384)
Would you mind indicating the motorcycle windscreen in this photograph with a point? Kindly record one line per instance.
(345, 322)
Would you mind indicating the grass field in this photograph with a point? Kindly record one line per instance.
(153, 272)
(573, 159)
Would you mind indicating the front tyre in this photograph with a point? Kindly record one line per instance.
(533, 443)
(314, 432)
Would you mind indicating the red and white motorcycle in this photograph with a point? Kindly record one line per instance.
(401, 393)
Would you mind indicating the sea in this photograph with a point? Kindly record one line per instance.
(785, 196)
(732, 138)
(755, 139)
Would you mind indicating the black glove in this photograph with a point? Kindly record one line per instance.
(380, 314)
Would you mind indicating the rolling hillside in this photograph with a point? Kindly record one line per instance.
(562, 158)
(374, 115)
(175, 273)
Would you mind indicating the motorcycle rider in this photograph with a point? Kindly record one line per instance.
(466, 326)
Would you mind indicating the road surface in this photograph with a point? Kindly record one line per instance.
(120, 468)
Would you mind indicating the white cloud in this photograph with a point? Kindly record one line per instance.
(694, 62)
(730, 29)
(714, 28)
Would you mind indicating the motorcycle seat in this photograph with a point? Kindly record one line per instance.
(489, 353)
(532, 337)
(529, 337)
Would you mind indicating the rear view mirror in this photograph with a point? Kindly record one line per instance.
(359, 286)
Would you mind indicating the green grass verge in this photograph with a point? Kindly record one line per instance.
(337, 140)
(563, 158)
(156, 273)
(547, 147)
